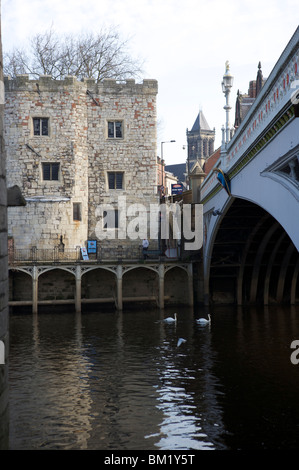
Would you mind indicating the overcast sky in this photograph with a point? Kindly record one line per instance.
(184, 44)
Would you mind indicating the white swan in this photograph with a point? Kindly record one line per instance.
(181, 341)
(204, 321)
(170, 319)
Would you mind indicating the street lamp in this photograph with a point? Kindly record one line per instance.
(168, 142)
(227, 84)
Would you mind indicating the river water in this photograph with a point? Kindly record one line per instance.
(118, 381)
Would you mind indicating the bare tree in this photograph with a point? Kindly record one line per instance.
(99, 56)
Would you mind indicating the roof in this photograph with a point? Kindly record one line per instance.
(200, 123)
(197, 169)
(179, 170)
(211, 160)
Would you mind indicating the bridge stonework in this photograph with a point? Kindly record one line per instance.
(251, 246)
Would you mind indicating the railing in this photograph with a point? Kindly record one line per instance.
(56, 255)
(34, 254)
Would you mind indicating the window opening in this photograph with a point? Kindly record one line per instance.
(115, 180)
(77, 211)
(115, 129)
(41, 126)
(51, 171)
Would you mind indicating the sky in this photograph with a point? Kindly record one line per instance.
(184, 45)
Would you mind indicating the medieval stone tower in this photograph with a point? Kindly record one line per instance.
(200, 141)
(75, 146)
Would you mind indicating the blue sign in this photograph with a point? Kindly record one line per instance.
(84, 253)
(177, 188)
(92, 246)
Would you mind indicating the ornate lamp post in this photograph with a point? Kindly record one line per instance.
(227, 84)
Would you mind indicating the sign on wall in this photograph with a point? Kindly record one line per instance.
(177, 188)
(84, 253)
(92, 246)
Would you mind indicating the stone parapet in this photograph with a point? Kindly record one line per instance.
(23, 82)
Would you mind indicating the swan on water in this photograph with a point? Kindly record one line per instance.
(204, 321)
(170, 319)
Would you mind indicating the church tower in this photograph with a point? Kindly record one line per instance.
(200, 142)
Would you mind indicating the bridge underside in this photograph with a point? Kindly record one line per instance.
(253, 259)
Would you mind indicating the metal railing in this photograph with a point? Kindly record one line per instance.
(35, 254)
(112, 254)
(55, 255)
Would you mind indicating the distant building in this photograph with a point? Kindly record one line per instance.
(245, 101)
(200, 141)
(170, 179)
(179, 170)
(200, 145)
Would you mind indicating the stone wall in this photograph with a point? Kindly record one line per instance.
(78, 114)
(134, 155)
(3, 278)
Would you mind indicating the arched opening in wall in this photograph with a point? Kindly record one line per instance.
(98, 286)
(253, 260)
(56, 287)
(20, 289)
(140, 285)
(176, 287)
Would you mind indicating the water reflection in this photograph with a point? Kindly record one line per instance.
(49, 399)
(187, 389)
(118, 381)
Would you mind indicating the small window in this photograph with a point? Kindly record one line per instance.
(77, 211)
(115, 130)
(110, 219)
(115, 180)
(41, 126)
(51, 171)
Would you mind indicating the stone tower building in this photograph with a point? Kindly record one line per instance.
(200, 141)
(73, 147)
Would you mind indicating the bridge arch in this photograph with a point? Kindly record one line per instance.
(98, 284)
(56, 284)
(20, 285)
(178, 285)
(141, 283)
(250, 258)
